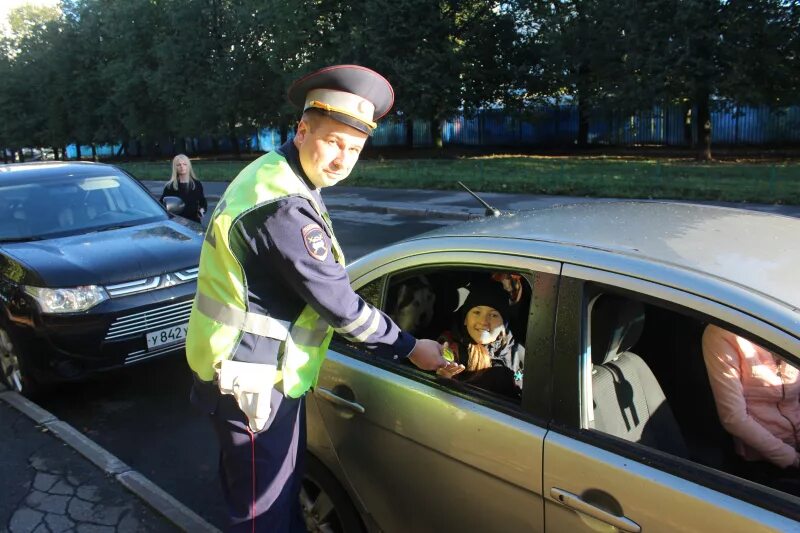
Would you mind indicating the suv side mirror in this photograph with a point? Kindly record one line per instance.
(174, 205)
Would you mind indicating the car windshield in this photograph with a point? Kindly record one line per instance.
(72, 205)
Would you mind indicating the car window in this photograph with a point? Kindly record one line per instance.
(73, 205)
(653, 378)
(428, 303)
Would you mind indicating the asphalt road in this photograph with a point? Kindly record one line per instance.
(143, 416)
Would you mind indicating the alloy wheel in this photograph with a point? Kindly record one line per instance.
(319, 511)
(9, 363)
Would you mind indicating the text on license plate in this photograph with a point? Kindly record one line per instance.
(166, 336)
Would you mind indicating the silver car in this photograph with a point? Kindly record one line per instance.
(616, 428)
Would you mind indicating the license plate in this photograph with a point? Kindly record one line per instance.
(165, 336)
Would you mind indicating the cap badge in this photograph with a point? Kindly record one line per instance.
(364, 107)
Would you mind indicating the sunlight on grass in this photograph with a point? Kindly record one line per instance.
(616, 176)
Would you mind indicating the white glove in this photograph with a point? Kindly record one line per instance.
(251, 385)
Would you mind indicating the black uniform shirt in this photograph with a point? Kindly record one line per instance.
(286, 252)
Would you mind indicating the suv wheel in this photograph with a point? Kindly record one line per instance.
(12, 367)
(326, 506)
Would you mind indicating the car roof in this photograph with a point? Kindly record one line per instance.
(25, 172)
(748, 248)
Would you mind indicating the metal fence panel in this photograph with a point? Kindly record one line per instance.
(541, 126)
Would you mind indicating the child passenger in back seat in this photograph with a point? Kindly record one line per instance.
(481, 341)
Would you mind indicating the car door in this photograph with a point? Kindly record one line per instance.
(596, 481)
(424, 456)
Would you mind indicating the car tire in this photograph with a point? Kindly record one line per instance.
(13, 367)
(326, 506)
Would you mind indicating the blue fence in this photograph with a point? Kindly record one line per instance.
(555, 125)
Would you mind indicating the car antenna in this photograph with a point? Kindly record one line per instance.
(490, 211)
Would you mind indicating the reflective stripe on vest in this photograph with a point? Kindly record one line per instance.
(220, 312)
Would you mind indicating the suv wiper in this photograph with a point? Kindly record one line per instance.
(23, 239)
(115, 226)
(490, 211)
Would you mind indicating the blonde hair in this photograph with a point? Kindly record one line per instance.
(477, 357)
(173, 179)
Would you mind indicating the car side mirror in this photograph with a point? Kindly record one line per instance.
(173, 205)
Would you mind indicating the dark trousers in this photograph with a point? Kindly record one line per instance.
(261, 473)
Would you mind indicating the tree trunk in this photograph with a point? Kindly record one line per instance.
(283, 130)
(583, 125)
(409, 133)
(55, 153)
(688, 138)
(94, 152)
(703, 127)
(78, 151)
(436, 133)
(21, 155)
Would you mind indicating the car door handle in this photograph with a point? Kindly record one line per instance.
(575, 502)
(338, 400)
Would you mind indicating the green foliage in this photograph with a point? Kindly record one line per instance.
(138, 71)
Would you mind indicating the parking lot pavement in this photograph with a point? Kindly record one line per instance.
(53, 478)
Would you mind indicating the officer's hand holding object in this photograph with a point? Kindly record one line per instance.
(452, 367)
(427, 355)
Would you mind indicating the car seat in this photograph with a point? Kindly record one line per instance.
(628, 401)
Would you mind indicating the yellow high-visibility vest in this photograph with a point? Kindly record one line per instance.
(220, 312)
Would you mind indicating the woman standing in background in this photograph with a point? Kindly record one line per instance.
(185, 185)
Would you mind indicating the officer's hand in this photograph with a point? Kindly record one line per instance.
(452, 368)
(427, 355)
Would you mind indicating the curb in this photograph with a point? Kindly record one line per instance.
(153, 495)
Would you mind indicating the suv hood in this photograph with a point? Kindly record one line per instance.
(112, 256)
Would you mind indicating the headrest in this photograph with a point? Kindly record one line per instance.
(617, 324)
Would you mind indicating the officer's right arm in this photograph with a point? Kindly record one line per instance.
(302, 255)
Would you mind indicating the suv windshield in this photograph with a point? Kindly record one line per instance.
(73, 204)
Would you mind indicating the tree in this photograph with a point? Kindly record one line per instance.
(441, 57)
(28, 63)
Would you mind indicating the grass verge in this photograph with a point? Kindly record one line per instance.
(622, 177)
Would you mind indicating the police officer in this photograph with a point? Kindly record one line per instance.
(272, 289)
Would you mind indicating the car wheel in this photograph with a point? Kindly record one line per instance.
(326, 506)
(12, 367)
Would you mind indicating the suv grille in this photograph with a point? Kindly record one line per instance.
(152, 283)
(158, 318)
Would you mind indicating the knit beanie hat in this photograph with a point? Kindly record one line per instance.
(489, 294)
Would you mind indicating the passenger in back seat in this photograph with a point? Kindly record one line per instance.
(757, 396)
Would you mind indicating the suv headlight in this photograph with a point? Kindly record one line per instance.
(67, 300)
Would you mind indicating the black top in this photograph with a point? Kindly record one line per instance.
(192, 197)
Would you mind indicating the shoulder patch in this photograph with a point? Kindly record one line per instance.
(314, 239)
